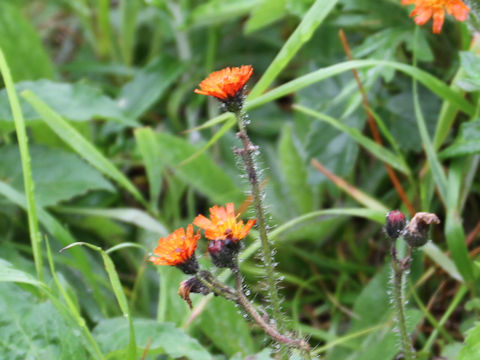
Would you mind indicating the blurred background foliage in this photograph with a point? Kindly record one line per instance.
(123, 152)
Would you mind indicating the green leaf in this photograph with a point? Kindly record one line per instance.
(22, 46)
(35, 330)
(150, 151)
(472, 344)
(34, 231)
(148, 86)
(379, 151)
(265, 14)
(58, 175)
(467, 141)
(302, 34)
(470, 64)
(219, 11)
(128, 215)
(202, 173)
(112, 334)
(229, 332)
(295, 173)
(82, 146)
(75, 102)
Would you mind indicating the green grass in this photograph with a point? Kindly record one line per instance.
(112, 85)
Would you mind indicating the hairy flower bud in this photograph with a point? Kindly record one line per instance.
(224, 252)
(192, 285)
(395, 223)
(416, 234)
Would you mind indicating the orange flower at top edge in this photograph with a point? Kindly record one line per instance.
(426, 9)
(223, 224)
(177, 248)
(225, 84)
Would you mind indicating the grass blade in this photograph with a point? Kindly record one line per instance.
(378, 151)
(302, 34)
(35, 237)
(147, 144)
(82, 146)
(119, 294)
(71, 306)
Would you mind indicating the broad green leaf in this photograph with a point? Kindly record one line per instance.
(265, 14)
(33, 329)
(22, 45)
(472, 344)
(230, 331)
(75, 102)
(112, 335)
(148, 86)
(58, 175)
(82, 146)
(467, 141)
(202, 173)
(150, 152)
(295, 173)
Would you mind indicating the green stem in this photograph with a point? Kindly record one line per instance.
(398, 281)
(247, 156)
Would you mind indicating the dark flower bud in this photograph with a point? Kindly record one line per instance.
(189, 266)
(395, 223)
(416, 234)
(192, 285)
(224, 252)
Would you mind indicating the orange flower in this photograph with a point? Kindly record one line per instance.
(426, 9)
(177, 248)
(227, 83)
(223, 224)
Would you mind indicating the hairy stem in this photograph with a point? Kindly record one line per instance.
(399, 267)
(272, 331)
(249, 162)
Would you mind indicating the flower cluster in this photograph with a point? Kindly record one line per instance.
(222, 229)
(415, 232)
(426, 9)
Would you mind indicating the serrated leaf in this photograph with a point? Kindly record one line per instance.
(112, 335)
(75, 102)
(58, 175)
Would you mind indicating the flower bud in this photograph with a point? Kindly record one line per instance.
(416, 234)
(395, 223)
(189, 266)
(224, 252)
(192, 285)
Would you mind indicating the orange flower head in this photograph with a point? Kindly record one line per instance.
(223, 224)
(178, 249)
(226, 84)
(426, 9)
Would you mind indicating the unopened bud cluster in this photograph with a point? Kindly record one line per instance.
(415, 232)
